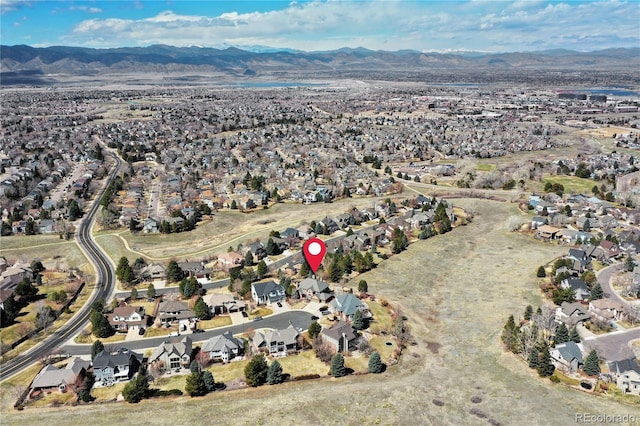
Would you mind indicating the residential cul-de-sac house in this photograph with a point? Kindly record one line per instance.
(109, 368)
(267, 292)
(572, 313)
(224, 303)
(311, 288)
(127, 317)
(578, 285)
(607, 310)
(341, 336)
(626, 373)
(176, 312)
(173, 353)
(52, 378)
(277, 342)
(567, 357)
(223, 347)
(346, 305)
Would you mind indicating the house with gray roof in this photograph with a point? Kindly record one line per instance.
(53, 378)
(276, 342)
(567, 357)
(341, 336)
(174, 354)
(223, 347)
(572, 313)
(176, 311)
(346, 305)
(578, 285)
(112, 367)
(312, 288)
(267, 292)
(626, 373)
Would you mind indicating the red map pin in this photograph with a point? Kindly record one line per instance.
(314, 250)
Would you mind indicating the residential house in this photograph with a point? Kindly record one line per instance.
(277, 342)
(173, 354)
(567, 357)
(611, 249)
(224, 303)
(223, 347)
(346, 305)
(267, 292)
(607, 310)
(572, 313)
(47, 226)
(151, 226)
(229, 260)
(153, 271)
(329, 225)
(547, 232)
(176, 311)
(195, 269)
(109, 368)
(341, 336)
(127, 317)
(52, 378)
(311, 288)
(626, 373)
(578, 285)
(256, 249)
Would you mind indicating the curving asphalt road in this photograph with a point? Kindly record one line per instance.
(105, 280)
(299, 319)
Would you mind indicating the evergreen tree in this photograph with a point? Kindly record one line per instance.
(574, 336)
(248, 259)
(100, 325)
(274, 373)
(592, 364)
(11, 310)
(96, 348)
(201, 309)
(305, 269)
(136, 389)
(134, 293)
(209, 382)
(541, 272)
(261, 269)
(528, 312)
(358, 321)
(596, 292)
(510, 335)
(545, 367)
(271, 248)
(314, 329)
(151, 291)
(562, 334)
(375, 363)
(255, 372)
(174, 273)
(337, 366)
(195, 385)
(399, 241)
(194, 367)
(363, 286)
(533, 358)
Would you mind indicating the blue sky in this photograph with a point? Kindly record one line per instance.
(479, 25)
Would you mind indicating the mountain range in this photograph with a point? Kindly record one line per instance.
(21, 61)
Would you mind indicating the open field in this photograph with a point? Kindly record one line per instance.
(44, 247)
(457, 291)
(228, 228)
(572, 184)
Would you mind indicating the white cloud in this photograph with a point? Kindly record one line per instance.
(388, 25)
(7, 6)
(86, 9)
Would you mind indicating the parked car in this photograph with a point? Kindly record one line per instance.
(174, 334)
(279, 305)
(198, 330)
(141, 331)
(257, 318)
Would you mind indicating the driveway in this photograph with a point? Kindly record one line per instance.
(614, 346)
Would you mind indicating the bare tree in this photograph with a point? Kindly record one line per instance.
(44, 315)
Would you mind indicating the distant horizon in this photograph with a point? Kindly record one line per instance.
(268, 49)
(501, 26)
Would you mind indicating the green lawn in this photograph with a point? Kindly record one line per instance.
(485, 167)
(228, 372)
(381, 318)
(572, 184)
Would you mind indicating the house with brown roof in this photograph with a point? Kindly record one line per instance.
(52, 378)
(606, 310)
(276, 342)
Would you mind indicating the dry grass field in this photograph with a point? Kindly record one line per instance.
(456, 291)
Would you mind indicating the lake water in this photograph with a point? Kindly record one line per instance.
(272, 84)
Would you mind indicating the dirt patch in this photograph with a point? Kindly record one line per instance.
(437, 402)
(476, 399)
(434, 347)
